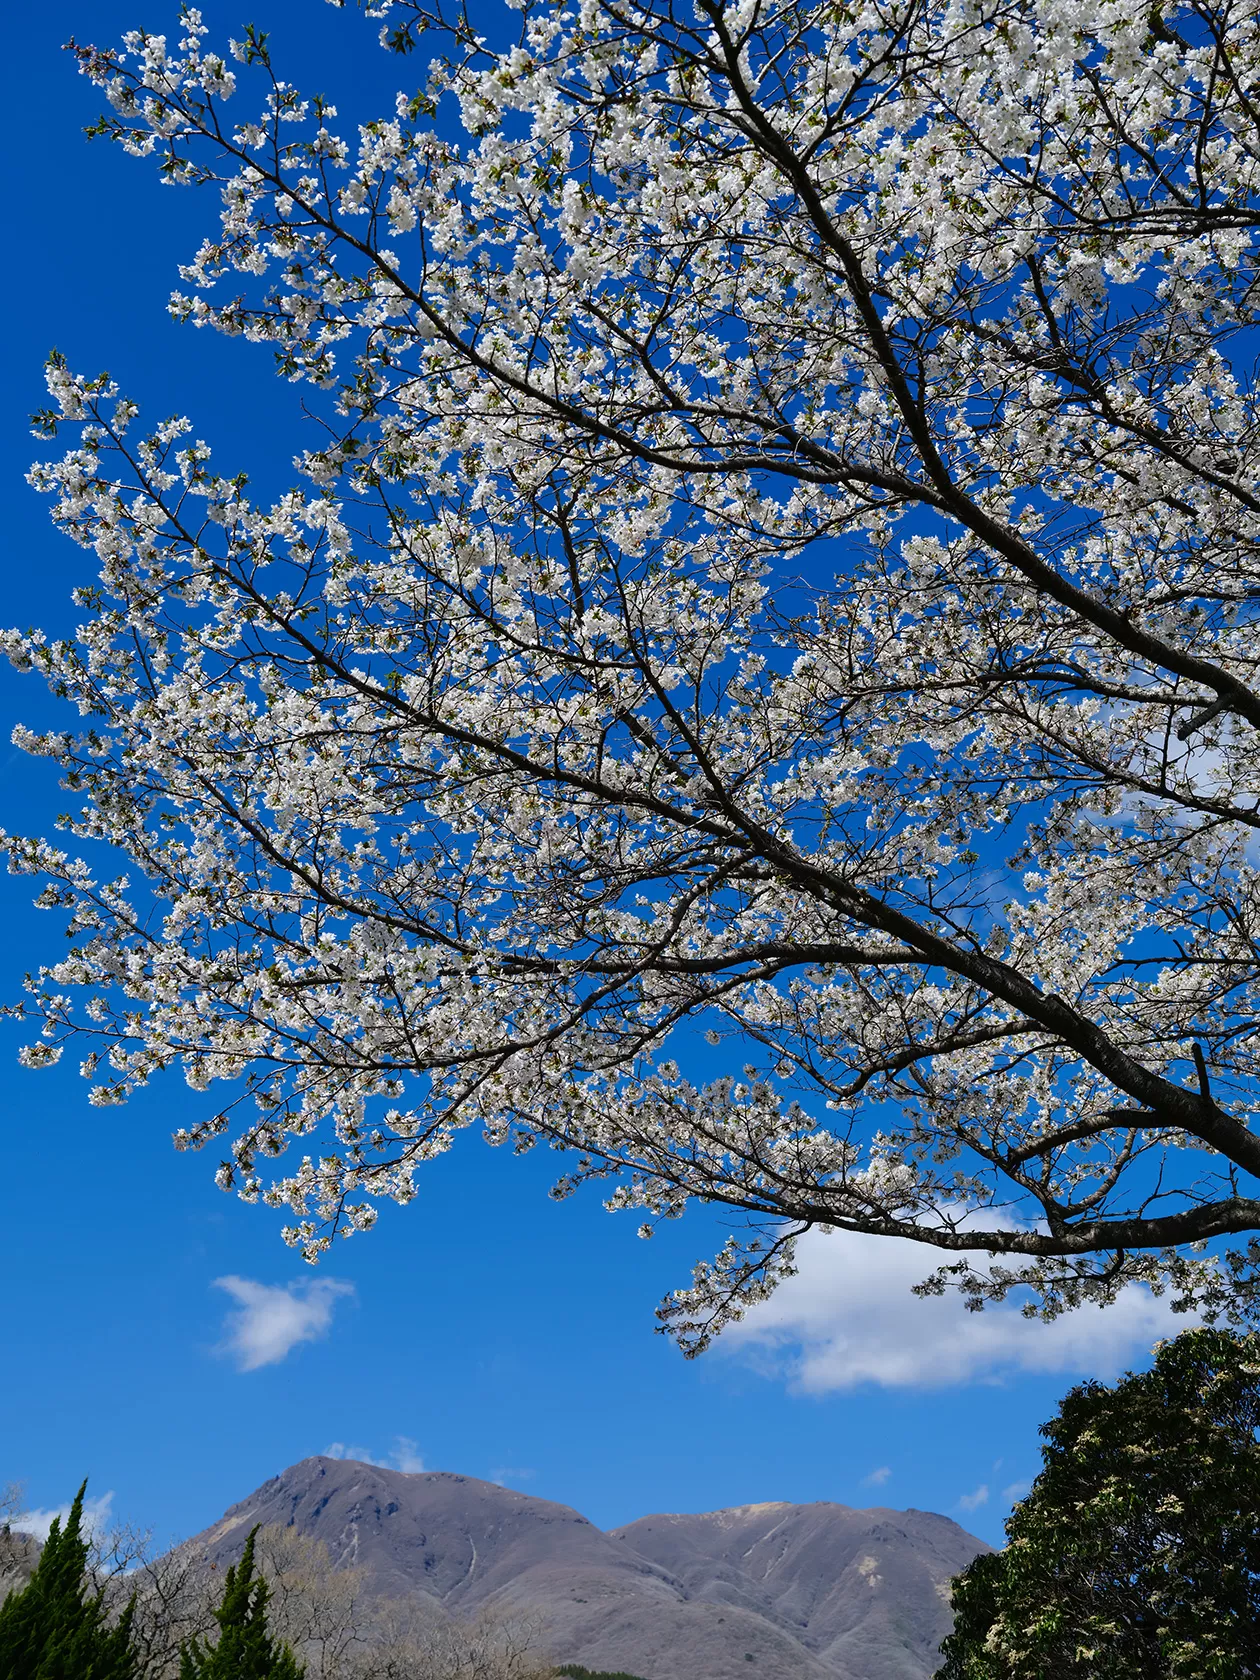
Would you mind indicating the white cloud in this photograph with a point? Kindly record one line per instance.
(359, 1455)
(973, 1501)
(506, 1473)
(1015, 1490)
(405, 1456)
(272, 1319)
(96, 1513)
(877, 1478)
(848, 1318)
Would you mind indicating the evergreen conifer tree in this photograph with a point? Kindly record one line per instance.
(245, 1649)
(55, 1627)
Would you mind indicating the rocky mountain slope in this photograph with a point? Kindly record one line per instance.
(864, 1591)
(761, 1592)
(19, 1553)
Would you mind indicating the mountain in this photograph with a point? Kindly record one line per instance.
(761, 1592)
(867, 1592)
(19, 1553)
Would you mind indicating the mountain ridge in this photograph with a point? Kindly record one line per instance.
(769, 1591)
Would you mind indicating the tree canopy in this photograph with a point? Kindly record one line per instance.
(54, 1628)
(782, 567)
(245, 1648)
(1137, 1552)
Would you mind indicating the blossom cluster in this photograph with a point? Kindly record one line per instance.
(785, 567)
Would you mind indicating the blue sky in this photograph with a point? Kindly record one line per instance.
(157, 1336)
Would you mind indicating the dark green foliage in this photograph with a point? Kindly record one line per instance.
(575, 1671)
(55, 1627)
(1137, 1552)
(244, 1650)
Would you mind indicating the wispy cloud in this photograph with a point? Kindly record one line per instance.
(506, 1473)
(848, 1318)
(877, 1478)
(973, 1501)
(96, 1513)
(271, 1319)
(405, 1455)
(1015, 1490)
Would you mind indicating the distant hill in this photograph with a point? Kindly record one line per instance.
(865, 1591)
(19, 1553)
(761, 1592)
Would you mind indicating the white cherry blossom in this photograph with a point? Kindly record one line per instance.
(784, 568)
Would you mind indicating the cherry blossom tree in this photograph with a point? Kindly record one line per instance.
(757, 687)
